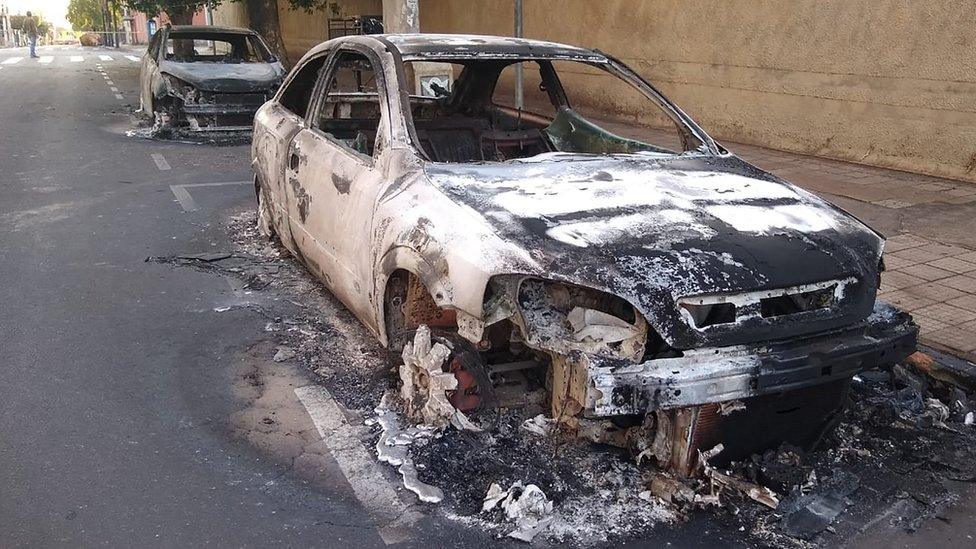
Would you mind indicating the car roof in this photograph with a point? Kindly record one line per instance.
(209, 28)
(425, 45)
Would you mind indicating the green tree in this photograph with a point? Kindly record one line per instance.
(17, 22)
(85, 15)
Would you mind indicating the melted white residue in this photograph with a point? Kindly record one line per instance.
(597, 232)
(392, 449)
(763, 219)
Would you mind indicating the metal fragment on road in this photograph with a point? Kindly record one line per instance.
(392, 448)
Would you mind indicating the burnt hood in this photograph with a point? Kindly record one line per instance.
(653, 230)
(226, 77)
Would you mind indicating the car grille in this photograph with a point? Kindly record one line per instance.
(704, 311)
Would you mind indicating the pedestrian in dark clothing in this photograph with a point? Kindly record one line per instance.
(30, 27)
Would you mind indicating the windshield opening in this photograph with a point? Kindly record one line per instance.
(204, 47)
(466, 110)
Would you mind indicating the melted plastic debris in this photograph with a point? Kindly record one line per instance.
(425, 384)
(593, 325)
(539, 425)
(392, 448)
(526, 506)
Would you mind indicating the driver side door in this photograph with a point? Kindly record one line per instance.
(333, 178)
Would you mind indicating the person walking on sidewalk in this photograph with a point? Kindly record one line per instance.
(30, 27)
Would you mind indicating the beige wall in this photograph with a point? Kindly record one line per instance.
(231, 14)
(300, 30)
(884, 82)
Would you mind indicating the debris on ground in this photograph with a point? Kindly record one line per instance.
(283, 354)
(525, 505)
(393, 448)
(894, 459)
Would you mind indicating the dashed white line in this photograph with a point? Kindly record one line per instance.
(12, 60)
(161, 162)
(132, 58)
(392, 517)
(109, 82)
(186, 201)
(45, 59)
(76, 59)
(105, 57)
(114, 89)
(119, 96)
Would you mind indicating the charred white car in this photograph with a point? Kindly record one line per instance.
(205, 78)
(647, 286)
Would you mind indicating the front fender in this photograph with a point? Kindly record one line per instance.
(453, 283)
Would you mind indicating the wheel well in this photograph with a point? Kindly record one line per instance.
(407, 303)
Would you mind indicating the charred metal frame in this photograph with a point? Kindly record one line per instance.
(447, 237)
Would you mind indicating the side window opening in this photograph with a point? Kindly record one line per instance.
(350, 111)
(298, 93)
(567, 106)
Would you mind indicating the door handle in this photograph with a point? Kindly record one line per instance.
(293, 161)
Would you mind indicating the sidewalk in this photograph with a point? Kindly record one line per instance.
(931, 228)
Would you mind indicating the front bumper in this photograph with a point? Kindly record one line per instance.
(704, 376)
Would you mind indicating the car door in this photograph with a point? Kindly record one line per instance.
(148, 68)
(275, 126)
(333, 177)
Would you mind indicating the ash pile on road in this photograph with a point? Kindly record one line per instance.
(902, 453)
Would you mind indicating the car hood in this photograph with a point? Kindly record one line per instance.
(653, 230)
(226, 77)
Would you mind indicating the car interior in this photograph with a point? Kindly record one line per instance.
(466, 113)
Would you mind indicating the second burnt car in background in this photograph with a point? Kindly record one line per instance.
(206, 78)
(652, 290)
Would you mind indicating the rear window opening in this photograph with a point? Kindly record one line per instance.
(471, 111)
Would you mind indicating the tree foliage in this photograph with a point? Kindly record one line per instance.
(180, 12)
(85, 15)
(17, 22)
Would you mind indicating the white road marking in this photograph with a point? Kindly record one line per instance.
(161, 162)
(45, 59)
(119, 96)
(109, 82)
(392, 517)
(76, 59)
(114, 89)
(12, 60)
(105, 57)
(186, 201)
(132, 58)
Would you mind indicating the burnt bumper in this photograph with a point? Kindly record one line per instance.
(704, 376)
(223, 111)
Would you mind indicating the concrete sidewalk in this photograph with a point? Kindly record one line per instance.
(931, 228)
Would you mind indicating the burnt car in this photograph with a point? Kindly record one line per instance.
(206, 78)
(577, 240)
